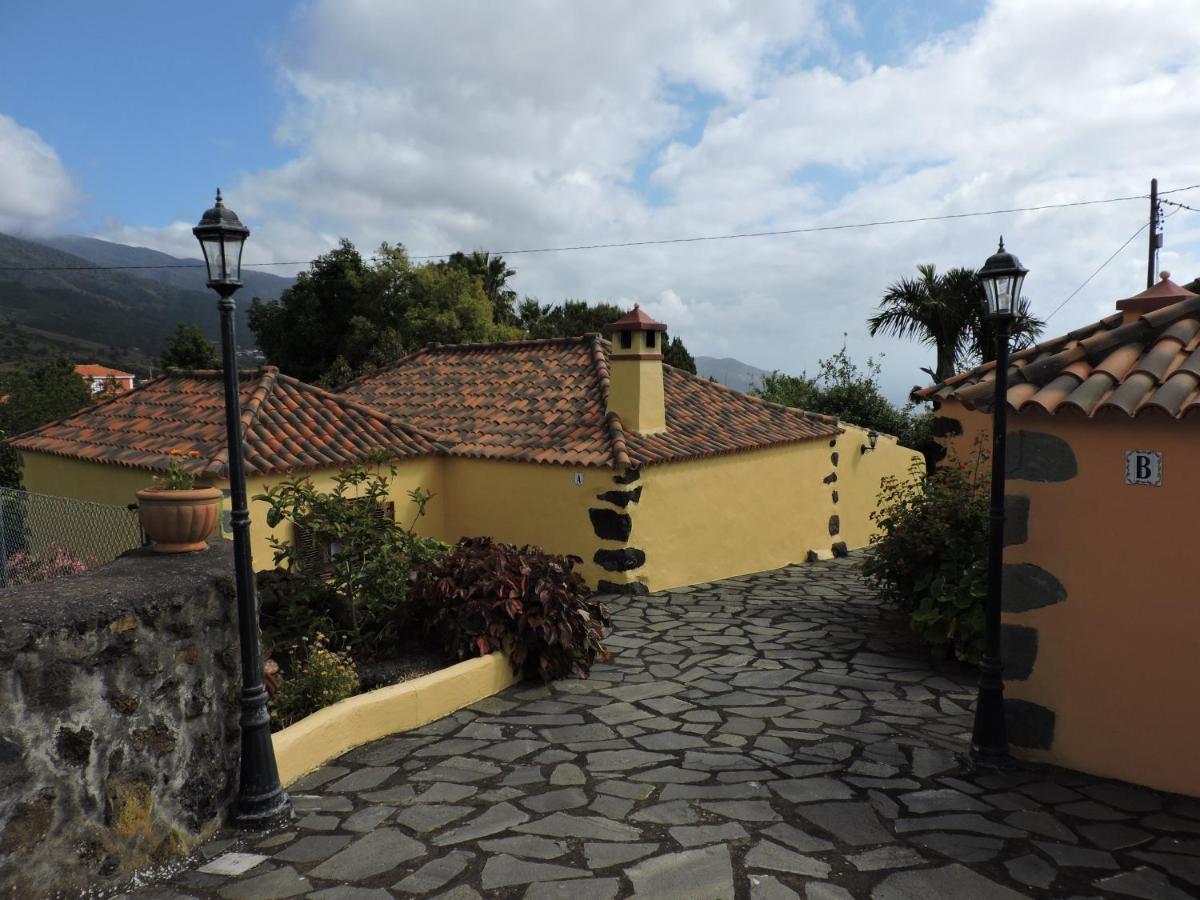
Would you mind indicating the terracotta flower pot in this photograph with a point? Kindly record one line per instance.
(179, 521)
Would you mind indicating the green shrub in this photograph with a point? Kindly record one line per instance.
(314, 678)
(486, 596)
(350, 573)
(930, 556)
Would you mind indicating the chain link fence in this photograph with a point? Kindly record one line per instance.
(43, 536)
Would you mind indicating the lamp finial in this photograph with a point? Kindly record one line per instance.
(1001, 250)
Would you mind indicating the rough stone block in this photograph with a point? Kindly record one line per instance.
(835, 525)
(1016, 519)
(620, 560)
(621, 498)
(1027, 587)
(610, 524)
(1037, 456)
(629, 476)
(1029, 724)
(1018, 649)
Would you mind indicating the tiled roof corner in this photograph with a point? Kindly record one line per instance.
(546, 401)
(287, 426)
(1126, 363)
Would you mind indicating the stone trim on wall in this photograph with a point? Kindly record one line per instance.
(1016, 519)
(616, 525)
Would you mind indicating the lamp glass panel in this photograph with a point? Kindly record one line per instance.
(233, 258)
(212, 255)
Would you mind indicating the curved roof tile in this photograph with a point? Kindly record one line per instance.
(1128, 363)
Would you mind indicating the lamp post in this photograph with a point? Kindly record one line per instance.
(1002, 276)
(261, 798)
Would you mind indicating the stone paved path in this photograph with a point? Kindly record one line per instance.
(771, 737)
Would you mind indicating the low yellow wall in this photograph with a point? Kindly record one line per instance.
(708, 519)
(330, 732)
(525, 503)
(1118, 661)
(424, 473)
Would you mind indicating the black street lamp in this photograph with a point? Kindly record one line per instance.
(1002, 276)
(261, 798)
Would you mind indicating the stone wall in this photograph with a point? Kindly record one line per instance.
(118, 731)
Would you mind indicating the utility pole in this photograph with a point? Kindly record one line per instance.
(1155, 235)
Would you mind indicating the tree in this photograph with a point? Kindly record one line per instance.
(840, 389)
(51, 391)
(675, 354)
(946, 312)
(347, 316)
(569, 319)
(493, 273)
(188, 348)
(575, 317)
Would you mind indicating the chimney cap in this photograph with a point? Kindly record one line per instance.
(637, 320)
(1162, 294)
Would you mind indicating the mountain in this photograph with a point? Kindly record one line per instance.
(730, 372)
(93, 316)
(106, 253)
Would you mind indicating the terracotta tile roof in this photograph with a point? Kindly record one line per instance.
(1129, 363)
(545, 401)
(92, 370)
(288, 426)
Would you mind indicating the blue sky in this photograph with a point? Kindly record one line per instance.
(149, 104)
(471, 124)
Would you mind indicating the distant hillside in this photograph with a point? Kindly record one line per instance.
(730, 372)
(109, 317)
(106, 253)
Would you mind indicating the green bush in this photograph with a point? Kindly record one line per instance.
(350, 573)
(930, 556)
(486, 596)
(315, 677)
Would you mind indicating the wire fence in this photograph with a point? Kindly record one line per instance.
(43, 536)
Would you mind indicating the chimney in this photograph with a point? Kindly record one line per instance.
(1162, 294)
(636, 377)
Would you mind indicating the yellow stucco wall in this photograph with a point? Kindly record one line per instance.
(45, 473)
(424, 472)
(524, 503)
(860, 475)
(1119, 660)
(697, 521)
(713, 518)
(636, 392)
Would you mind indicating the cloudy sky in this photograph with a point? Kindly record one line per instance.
(506, 126)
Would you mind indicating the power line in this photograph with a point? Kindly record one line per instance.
(812, 229)
(1181, 206)
(1143, 227)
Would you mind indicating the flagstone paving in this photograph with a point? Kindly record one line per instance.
(770, 737)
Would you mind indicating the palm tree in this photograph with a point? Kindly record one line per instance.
(947, 312)
(494, 273)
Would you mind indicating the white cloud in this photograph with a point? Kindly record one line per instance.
(36, 193)
(540, 123)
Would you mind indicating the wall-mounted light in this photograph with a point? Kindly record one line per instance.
(872, 440)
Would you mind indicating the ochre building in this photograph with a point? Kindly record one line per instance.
(1101, 633)
(654, 477)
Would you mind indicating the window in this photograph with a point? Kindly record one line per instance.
(626, 340)
(650, 340)
(317, 553)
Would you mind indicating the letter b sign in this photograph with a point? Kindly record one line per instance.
(1143, 467)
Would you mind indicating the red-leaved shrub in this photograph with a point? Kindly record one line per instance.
(485, 596)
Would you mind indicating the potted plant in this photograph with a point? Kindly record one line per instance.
(177, 515)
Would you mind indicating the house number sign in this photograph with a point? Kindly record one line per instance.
(1143, 467)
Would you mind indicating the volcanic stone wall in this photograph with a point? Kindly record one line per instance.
(118, 718)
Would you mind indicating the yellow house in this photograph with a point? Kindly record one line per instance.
(654, 477)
